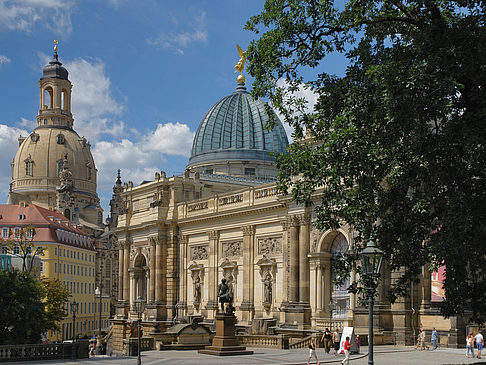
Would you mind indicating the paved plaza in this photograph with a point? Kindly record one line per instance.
(384, 355)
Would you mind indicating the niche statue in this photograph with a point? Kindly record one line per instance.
(224, 296)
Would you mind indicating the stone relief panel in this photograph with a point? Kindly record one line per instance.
(270, 246)
(232, 248)
(199, 252)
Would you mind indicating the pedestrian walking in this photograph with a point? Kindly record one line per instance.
(421, 340)
(347, 347)
(357, 343)
(336, 339)
(433, 338)
(312, 352)
(327, 339)
(479, 343)
(470, 344)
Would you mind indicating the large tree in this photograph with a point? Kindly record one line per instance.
(398, 140)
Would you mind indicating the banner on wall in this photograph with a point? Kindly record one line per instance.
(437, 293)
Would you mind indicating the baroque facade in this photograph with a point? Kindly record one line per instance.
(179, 236)
(54, 169)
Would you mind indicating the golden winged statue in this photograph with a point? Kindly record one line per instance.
(55, 45)
(240, 66)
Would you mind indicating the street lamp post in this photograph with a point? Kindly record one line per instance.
(371, 258)
(139, 308)
(74, 309)
(98, 341)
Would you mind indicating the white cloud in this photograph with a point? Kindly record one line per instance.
(171, 139)
(178, 41)
(140, 159)
(24, 15)
(8, 144)
(136, 163)
(93, 104)
(27, 123)
(4, 59)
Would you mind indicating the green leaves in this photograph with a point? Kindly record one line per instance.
(397, 146)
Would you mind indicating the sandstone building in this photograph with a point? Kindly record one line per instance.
(178, 236)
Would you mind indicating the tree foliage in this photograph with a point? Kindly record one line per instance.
(399, 139)
(22, 238)
(30, 306)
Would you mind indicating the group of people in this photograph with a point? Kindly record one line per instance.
(470, 340)
(332, 340)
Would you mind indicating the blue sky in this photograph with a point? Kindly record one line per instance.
(144, 75)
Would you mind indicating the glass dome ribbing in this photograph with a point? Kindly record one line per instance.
(234, 129)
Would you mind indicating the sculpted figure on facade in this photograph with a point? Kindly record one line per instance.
(199, 252)
(197, 289)
(232, 248)
(270, 246)
(267, 289)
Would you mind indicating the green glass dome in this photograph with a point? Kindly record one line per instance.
(234, 129)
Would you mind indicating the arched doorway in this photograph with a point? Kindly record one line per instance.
(140, 277)
(339, 293)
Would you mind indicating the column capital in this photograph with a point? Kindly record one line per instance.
(285, 224)
(294, 220)
(248, 230)
(153, 241)
(304, 219)
(213, 235)
(184, 239)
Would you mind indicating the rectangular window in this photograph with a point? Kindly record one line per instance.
(5, 250)
(249, 171)
(28, 233)
(17, 232)
(42, 266)
(16, 250)
(55, 267)
(5, 232)
(55, 251)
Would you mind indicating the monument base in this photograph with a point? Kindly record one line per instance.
(225, 342)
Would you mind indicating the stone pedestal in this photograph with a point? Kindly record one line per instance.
(225, 342)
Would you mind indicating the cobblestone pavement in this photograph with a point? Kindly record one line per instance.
(383, 355)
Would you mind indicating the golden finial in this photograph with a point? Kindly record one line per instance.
(55, 45)
(240, 66)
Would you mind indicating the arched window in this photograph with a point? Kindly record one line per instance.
(67, 214)
(339, 294)
(108, 268)
(88, 171)
(29, 167)
(100, 217)
(48, 98)
(64, 100)
(60, 165)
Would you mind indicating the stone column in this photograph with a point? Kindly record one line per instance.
(121, 272)
(126, 266)
(319, 288)
(184, 272)
(133, 289)
(285, 254)
(426, 286)
(158, 270)
(151, 293)
(213, 237)
(294, 260)
(247, 305)
(303, 260)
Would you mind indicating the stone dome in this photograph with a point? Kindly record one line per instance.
(55, 70)
(234, 129)
(44, 150)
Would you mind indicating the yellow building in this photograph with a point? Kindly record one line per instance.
(69, 256)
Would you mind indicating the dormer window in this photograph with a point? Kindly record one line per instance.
(29, 167)
(88, 171)
(60, 138)
(21, 217)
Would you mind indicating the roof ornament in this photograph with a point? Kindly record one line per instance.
(55, 45)
(240, 66)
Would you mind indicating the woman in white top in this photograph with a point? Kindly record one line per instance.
(469, 344)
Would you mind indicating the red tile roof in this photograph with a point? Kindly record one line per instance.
(40, 218)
